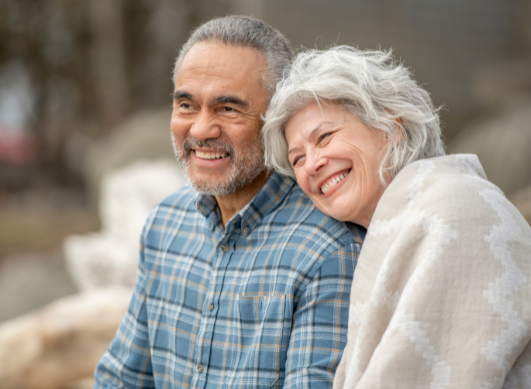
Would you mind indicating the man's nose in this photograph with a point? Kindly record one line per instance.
(314, 162)
(205, 126)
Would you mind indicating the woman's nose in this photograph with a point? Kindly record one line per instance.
(205, 127)
(314, 162)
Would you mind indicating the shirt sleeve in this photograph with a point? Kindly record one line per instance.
(320, 322)
(127, 362)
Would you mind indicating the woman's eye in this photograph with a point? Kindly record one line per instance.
(296, 160)
(324, 136)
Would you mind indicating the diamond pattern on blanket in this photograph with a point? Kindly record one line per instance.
(441, 293)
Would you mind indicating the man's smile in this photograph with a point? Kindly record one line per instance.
(210, 155)
(211, 159)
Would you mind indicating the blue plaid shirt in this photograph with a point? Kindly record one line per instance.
(262, 303)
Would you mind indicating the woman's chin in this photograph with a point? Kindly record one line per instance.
(337, 212)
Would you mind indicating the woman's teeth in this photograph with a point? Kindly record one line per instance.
(202, 155)
(326, 187)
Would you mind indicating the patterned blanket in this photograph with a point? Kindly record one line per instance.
(441, 296)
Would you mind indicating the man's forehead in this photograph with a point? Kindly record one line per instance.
(210, 57)
(210, 70)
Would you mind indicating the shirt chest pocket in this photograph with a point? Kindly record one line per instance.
(265, 328)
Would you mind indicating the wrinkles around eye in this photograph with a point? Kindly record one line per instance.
(296, 161)
(324, 136)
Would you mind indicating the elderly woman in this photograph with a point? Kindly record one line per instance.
(441, 296)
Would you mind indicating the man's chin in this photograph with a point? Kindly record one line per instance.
(219, 184)
(227, 179)
(222, 184)
(208, 188)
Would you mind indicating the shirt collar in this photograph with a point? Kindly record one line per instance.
(266, 200)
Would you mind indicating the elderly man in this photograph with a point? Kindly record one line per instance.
(242, 282)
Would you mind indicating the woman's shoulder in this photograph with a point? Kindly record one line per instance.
(448, 182)
(452, 190)
(449, 172)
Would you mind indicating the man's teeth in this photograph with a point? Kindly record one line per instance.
(202, 155)
(326, 187)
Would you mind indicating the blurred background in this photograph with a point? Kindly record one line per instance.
(85, 90)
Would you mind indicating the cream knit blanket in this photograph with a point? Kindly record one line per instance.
(441, 296)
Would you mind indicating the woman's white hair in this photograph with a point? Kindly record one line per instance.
(377, 90)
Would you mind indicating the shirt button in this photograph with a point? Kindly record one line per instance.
(225, 248)
(210, 307)
(245, 230)
(200, 368)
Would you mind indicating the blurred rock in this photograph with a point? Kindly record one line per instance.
(83, 383)
(145, 135)
(110, 257)
(30, 281)
(58, 346)
(522, 200)
(502, 142)
(502, 82)
(41, 227)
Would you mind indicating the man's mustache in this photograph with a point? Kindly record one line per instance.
(193, 143)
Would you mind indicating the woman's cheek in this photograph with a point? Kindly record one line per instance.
(302, 180)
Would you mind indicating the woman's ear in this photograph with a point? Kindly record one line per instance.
(397, 129)
(397, 132)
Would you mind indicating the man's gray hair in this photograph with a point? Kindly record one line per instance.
(244, 31)
(370, 85)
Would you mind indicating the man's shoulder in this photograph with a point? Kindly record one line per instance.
(298, 211)
(175, 206)
(176, 212)
(181, 200)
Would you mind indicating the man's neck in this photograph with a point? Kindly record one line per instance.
(232, 203)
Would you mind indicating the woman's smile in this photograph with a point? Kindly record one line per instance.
(331, 184)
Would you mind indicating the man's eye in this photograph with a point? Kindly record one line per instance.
(228, 109)
(185, 105)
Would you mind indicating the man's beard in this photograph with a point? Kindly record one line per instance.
(246, 165)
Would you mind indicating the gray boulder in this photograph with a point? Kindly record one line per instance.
(58, 346)
(522, 200)
(502, 141)
(109, 257)
(143, 136)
